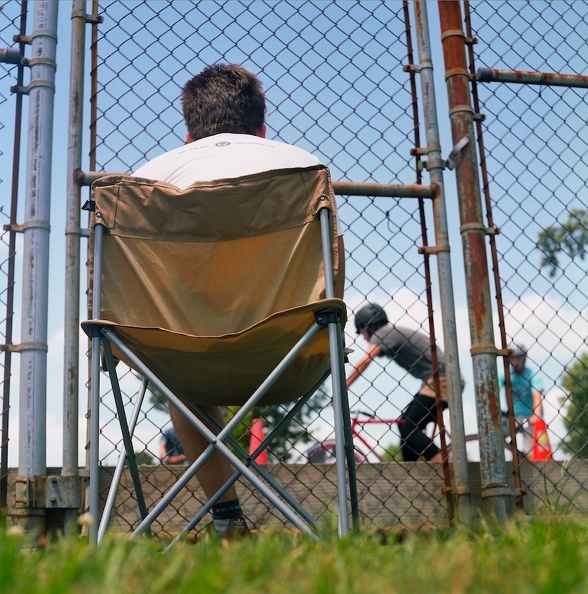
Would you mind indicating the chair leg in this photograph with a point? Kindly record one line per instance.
(126, 432)
(94, 462)
(297, 516)
(350, 455)
(114, 485)
(340, 459)
(217, 441)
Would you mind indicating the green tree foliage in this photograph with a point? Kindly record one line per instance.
(393, 452)
(295, 432)
(569, 239)
(144, 457)
(575, 382)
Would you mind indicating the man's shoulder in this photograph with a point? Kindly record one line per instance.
(387, 335)
(152, 169)
(258, 149)
(535, 378)
(224, 156)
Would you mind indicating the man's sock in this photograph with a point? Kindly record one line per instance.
(223, 512)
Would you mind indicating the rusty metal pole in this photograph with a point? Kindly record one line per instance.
(524, 77)
(492, 464)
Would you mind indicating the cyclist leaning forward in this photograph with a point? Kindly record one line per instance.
(411, 350)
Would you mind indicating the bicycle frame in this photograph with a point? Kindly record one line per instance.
(357, 422)
(371, 419)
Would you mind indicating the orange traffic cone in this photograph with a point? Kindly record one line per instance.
(257, 437)
(542, 447)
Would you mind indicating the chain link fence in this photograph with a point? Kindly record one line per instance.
(334, 78)
(534, 161)
(339, 84)
(12, 22)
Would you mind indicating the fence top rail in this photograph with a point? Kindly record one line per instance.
(87, 178)
(532, 78)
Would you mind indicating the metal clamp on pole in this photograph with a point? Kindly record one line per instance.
(89, 18)
(11, 55)
(450, 162)
(34, 83)
(498, 491)
(25, 346)
(16, 228)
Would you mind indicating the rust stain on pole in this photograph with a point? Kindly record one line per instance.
(473, 230)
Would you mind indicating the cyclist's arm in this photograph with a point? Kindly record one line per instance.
(373, 351)
(162, 449)
(340, 284)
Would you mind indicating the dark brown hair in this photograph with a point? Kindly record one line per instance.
(223, 98)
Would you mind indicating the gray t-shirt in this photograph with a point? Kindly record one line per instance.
(409, 348)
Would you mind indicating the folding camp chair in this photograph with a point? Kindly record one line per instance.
(222, 293)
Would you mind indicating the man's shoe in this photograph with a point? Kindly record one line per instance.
(235, 530)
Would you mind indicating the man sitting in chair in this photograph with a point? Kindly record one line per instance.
(224, 111)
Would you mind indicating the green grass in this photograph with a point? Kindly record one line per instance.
(543, 556)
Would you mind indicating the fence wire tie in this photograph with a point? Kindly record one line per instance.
(450, 163)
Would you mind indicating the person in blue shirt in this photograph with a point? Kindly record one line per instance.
(170, 447)
(527, 395)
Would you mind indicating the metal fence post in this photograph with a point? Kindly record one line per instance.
(11, 267)
(435, 167)
(72, 247)
(473, 230)
(33, 346)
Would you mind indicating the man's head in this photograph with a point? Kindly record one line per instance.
(223, 98)
(518, 356)
(369, 318)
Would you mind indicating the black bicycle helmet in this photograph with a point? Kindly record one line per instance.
(370, 316)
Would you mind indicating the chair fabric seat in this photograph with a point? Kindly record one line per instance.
(226, 370)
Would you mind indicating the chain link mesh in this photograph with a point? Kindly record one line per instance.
(535, 148)
(333, 75)
(10, 24)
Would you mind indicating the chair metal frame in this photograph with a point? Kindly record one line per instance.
(104, 335)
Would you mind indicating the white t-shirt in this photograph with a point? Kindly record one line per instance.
(224, 156)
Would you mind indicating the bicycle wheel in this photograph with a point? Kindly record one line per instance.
(472, 442)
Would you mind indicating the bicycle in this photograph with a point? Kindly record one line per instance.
(323, 452)
(473, 447)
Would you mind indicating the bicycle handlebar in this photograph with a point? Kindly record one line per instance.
(364, 413)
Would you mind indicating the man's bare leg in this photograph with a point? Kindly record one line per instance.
(216, 470)
(227, 514)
